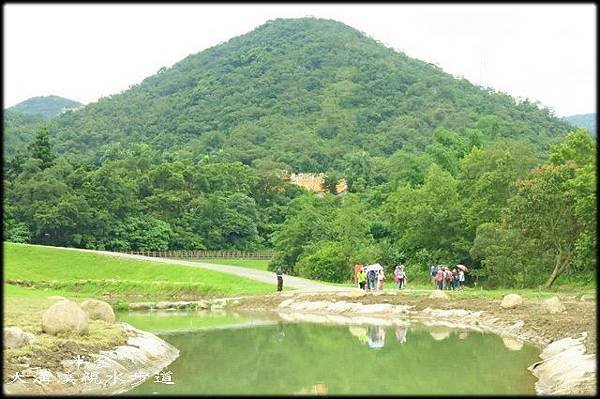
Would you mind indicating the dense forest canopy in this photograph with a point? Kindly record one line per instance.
(196, 156)
(45, 106)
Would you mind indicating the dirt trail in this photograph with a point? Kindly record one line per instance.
(298, 283)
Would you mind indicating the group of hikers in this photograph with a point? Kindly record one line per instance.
(443, 278)
(372, 278)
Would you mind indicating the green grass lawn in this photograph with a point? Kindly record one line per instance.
(258, 264)
(105, 276)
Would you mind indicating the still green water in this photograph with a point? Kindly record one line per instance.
(295, 358)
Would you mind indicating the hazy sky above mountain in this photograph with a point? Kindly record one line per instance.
(546, 53)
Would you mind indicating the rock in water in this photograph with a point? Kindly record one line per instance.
(437, 294)
(511, 301)
(65, 317)
(98, 310)
(553, 305)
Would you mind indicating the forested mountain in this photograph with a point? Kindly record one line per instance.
(586, 121)
(46, 106)
(438, 170)
(304, 92)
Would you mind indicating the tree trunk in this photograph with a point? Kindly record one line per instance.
(560, 265)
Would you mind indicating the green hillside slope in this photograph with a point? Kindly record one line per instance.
(586, 121)
(299, 91)
(46, 106)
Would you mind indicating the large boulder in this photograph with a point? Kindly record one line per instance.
(98, 310)
(511, 301)
(65, 317)
(438, 294)
(553, 305)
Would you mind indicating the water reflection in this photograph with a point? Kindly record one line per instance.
(287, 358)
(512, 343)
(400, 332)
(439, 333)
(376, 337)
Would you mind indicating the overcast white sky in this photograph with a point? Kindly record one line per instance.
(546, 53)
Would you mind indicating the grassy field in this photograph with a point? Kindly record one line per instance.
(108, 277)
(258, 264)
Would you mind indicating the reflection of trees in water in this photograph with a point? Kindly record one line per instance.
(288, 358)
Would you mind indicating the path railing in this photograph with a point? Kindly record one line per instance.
(204, 254)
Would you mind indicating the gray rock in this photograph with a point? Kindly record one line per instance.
(511, 301)
(65, 317)
(553, 305)
(13, 337)
(28, 338)
(98, 310)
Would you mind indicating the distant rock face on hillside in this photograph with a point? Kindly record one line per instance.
(316, 182)
(46, 106)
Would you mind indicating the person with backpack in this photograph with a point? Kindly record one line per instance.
(371, 280)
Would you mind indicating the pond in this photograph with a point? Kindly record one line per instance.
(251, 354)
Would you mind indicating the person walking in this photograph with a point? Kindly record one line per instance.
(371, 280)
(403, 277)
(461, 278)
(279, 274)
(439, 278)
(362, 278)
(449, 279)
(397, 274)
(357, 268)
(380, 279)
(433, 272)
(455, 278)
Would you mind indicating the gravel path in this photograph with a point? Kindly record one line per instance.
(301, 284)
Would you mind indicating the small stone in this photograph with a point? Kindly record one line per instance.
(511, 301)
(588, 298)
(438, 294)
(163, 305)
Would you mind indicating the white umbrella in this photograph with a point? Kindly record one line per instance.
(375, 266)
(463, 268)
